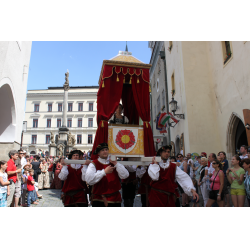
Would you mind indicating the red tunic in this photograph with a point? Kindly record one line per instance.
(165, 183)
(109, 185)
(73, 183)
(145, 182)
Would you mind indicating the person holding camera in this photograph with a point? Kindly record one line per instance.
(4, 184)
(12, 172)
(235, 176)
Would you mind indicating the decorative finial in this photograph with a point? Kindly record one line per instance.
(126, 49)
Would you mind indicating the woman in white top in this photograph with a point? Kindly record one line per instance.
(4, 184)
(117, 117)
(202, 181)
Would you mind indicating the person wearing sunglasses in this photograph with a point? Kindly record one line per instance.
(217, 183)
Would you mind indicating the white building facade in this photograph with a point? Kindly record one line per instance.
(44, 114)
(14, 69)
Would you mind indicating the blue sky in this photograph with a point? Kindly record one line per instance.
(50, 60)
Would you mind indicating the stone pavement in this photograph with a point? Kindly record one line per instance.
(51, 198)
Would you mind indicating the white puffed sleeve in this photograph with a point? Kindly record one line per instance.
(185, 181)
(64, 173)
(84, 169)
(153, 171)
(122, 171)
(92, 176)
(140, 171)
(126, 121)
(131, 168)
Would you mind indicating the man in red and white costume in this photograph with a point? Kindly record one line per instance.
(164, 176)
(103, 174)
(74, 188)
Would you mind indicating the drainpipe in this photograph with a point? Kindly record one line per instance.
(163, 57)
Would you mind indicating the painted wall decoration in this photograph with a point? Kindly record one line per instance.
(125, 140)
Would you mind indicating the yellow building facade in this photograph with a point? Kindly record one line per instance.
(211, 82)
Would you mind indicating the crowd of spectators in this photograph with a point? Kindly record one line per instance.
(215, 181)
(22, 176)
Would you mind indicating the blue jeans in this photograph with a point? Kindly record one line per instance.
(30, 198)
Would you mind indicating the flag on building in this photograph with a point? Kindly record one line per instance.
(173, 118)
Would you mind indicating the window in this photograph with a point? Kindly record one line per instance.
(158, 104)
(89, 139)
(49, 107)
(70, 106)
(69, 122)
(33, 139)
(35, 123)
(79, 122)
(90, 123)
(47, 139)
(36, 108)
(48, 123)
(58, 123)
(79, 139)
(90, 106)
(163, 97)
(80, 106)
(59, 107)
(173, 84)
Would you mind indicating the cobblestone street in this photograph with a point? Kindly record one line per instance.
(51, 198)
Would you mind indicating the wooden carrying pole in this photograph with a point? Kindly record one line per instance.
(145, 161)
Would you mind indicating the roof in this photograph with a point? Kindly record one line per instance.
(125, 56)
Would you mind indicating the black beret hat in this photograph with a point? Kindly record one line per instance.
(100, 147)
(163, 148)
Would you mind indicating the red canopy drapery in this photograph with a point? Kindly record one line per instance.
(109, 96)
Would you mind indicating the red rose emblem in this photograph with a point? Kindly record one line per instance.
(125, 139)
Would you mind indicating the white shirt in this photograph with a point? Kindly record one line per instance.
(210, 169)
(131, 168)
(181, 177)
(93, 176)
(141, 171)
(64, 171)
(243, 157)
(23, 161)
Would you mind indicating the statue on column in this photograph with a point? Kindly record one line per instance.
(73, 140)
(52, 140)
(70, 139)
(66, 84)
(60, 149)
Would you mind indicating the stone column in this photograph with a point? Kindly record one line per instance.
(65, 99)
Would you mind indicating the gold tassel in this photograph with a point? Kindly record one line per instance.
(138, 81)
(149, 88)
(117, 79)
(124, 79)
(103, 83)
(130, 81)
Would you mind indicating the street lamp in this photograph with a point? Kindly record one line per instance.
(173, 108)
